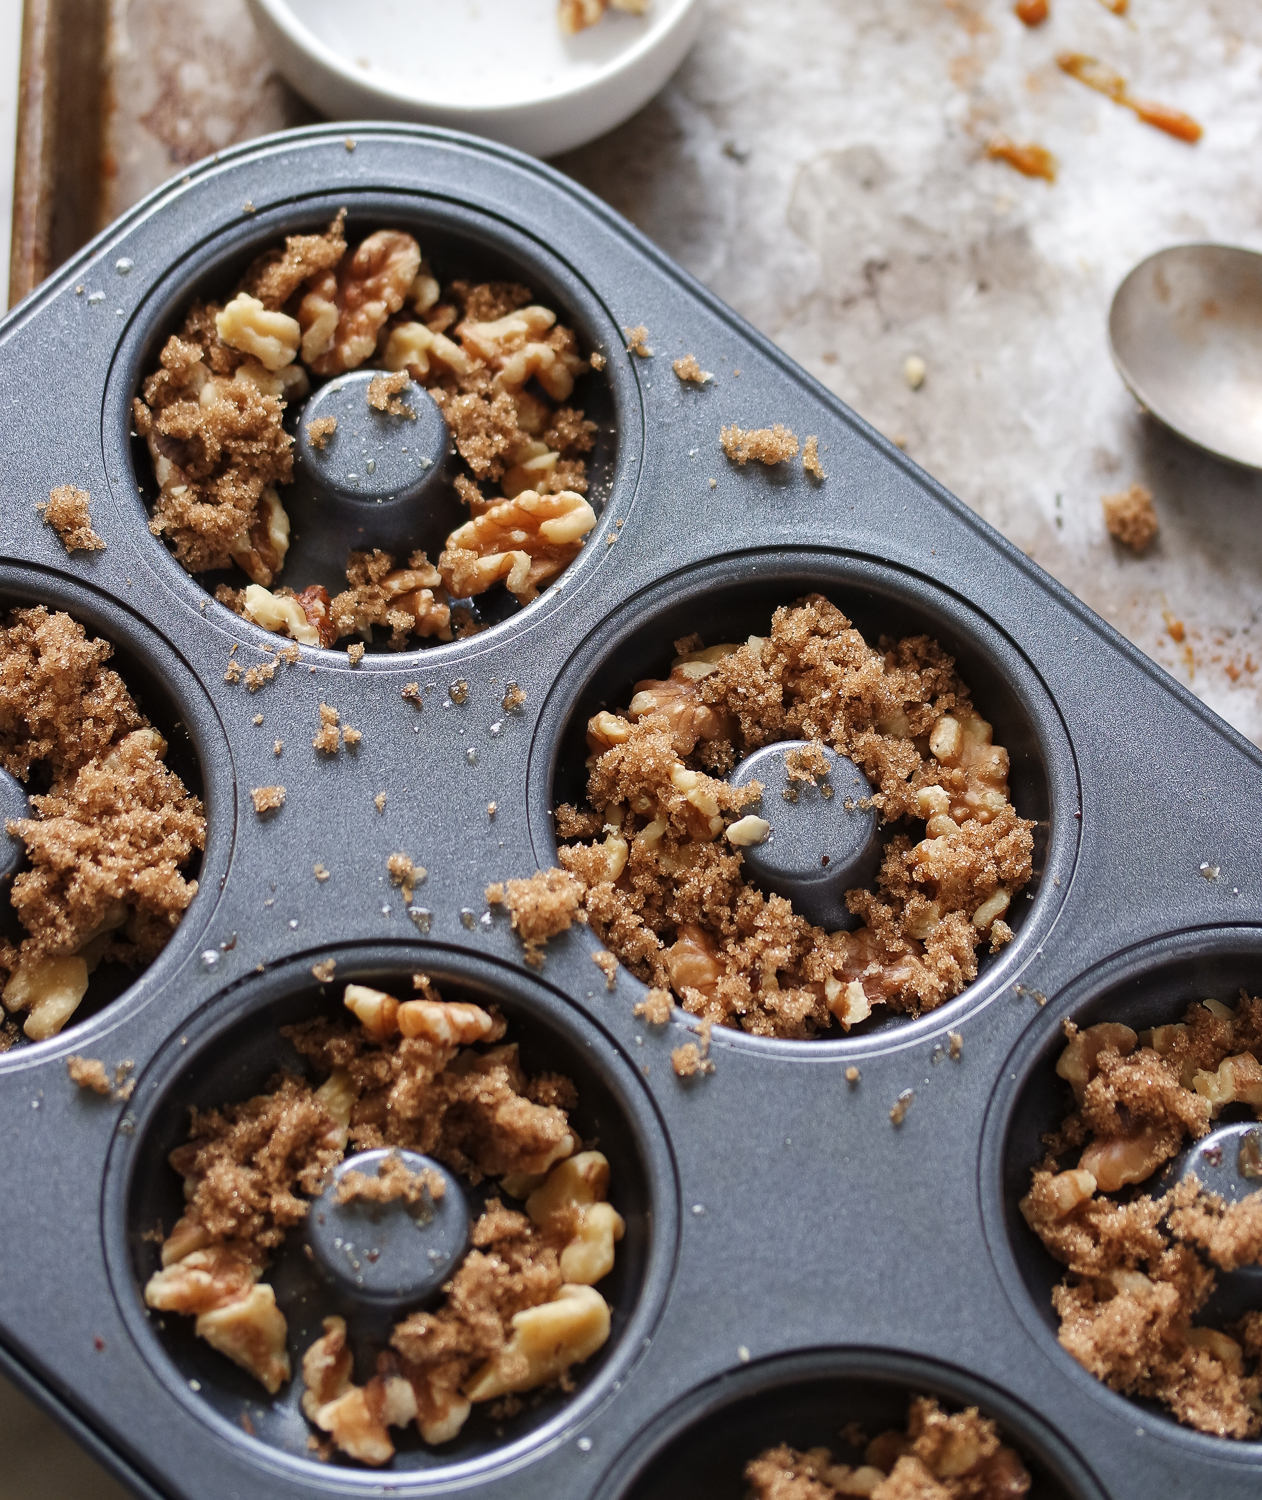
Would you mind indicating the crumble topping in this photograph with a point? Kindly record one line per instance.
(500, 368)
(66, 511)
(936, 1457)
(766, 445)
(637, 341)
(1140, 1268)
(109, 837)
(810, 459)
(267, 798)
(661, 881)
(687, 368)
(423, 1075)
(1130, 517)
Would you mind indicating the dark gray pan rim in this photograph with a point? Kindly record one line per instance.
(226, 249)
(106, 617)
(1098, 995)
(837, 573)
(231, 1009)
(916, 1374)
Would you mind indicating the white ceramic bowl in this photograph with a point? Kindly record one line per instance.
(499, 68)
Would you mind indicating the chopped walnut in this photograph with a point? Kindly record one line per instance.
(107, 838)
(688, 369)
(520, 1311)
(525, 542)
(66, 511)
(1138, 1271)
(767, 445)
(267, 798)
(662, 876)
(324, 970)
(935, 1457)
(1130, 517)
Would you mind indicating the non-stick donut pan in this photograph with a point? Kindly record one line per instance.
(794, 1260)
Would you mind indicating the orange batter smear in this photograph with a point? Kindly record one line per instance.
(1031, 160)
(1099, 76)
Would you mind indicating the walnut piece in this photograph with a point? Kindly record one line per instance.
(526, 542)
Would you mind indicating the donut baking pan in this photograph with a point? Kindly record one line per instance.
(816, 1230)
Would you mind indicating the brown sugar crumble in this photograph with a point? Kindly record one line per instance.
(412, 694)
(332, 733)
(260, 676)
(688, 369)
(109, 835)
(662, 884)
(547, 903)
(66, 511)
(405, 873)
(608, 966)
(320, 431)
(267, 798)
(901, 1105)
(638, 341)
(655, 1007)
(89, 1073)
(935, 1457)
(852, 1074)
(394, 1179)
(499, 366)
(766, 445)
(355, 653)
(1140, 1268)
(810, 459)
(1130, 517)
(520, 1312)
(379, 802)
(513, 700)
(383, 394)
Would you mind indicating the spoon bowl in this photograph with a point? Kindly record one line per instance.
(1185, 329)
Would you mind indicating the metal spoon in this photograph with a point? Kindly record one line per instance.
(1185, 329)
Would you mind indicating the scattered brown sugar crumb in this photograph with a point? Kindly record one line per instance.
(108, 834)
(355, 653)
(325, 970)
(597, 361)
(1139, 1268)
(257, 677)
(637, 341)
(412, 693)
(1130, 517)
(955, 1045)
(546, 904)
(326, 738)
(767, 445)
(1097, 75)
(608, 966)
(257, 720)
(383, 394)
(405, 873)
(663, 884)
(277, 746)
(513, 700)
(66, 511)
(903, 1103)
(233, 672)
(687, 368)
(852, 1074)
(393, 1179)
(321, 874)
(267, 798)
(688, 1061)
(655, 1007)
(351, 737)
(290, 655)
(320, 431)
(935, 1457)
(1030, 159)
(1032, 12)
(89, 1073)
(379, 802)
(810, 459)
(456, 1091)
